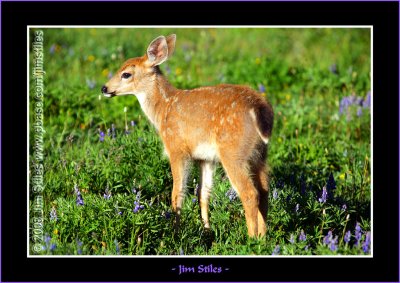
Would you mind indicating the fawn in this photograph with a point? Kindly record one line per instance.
(226, 123)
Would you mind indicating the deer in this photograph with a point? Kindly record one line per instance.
(226, 123)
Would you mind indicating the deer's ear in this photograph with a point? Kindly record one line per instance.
(171, 39)
(157, 52)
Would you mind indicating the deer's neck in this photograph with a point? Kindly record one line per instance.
(155, 99)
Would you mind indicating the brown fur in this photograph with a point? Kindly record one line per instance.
(226, 123)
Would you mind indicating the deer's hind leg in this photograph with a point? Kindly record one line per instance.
(240, 178)
(261, 183)
(259, 173)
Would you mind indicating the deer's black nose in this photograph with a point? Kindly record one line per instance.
(104, 89)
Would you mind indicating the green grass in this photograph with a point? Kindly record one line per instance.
(312, 143)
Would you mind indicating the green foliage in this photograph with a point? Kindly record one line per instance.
(304, 73)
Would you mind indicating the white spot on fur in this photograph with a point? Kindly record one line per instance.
(253, 116)
(205, 151)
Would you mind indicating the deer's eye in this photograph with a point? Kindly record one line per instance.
(125, 75)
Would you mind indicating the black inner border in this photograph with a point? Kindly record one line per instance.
(384, 17)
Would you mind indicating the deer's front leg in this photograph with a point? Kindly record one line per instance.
(179, 168)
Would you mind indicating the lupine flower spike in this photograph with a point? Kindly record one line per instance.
(231, 194)
(367, 242)
(331, 241)
(79, 199)
(277, 250)
(138, 206)
(53, 214)
(275, 194)
(324, 195)
(303, 236)
(357, 234)
(101, 136)
(291, 240)
(347, 236)
(107, 194)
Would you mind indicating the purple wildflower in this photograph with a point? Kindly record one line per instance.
(275, 194)
(277, 250)
(47, 239)
(357, 233)
(52, 48)
(133, 123)
(331, 241)
(91, 83)
(194, 200)
(101, 136)
(324, 195)
(367, 101)
(291, 240)
(367, 242)
(167, 215)
(79, 243)
(137, 204)
(79, 199)
(344, 104)
(303, 236)
(344, 207)
(333, 244)
(53, 247)
(231, 194)
(53, 214)
(328, 238)
(107, 194)
(261, 88)
(355, 101)
(347, 236)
